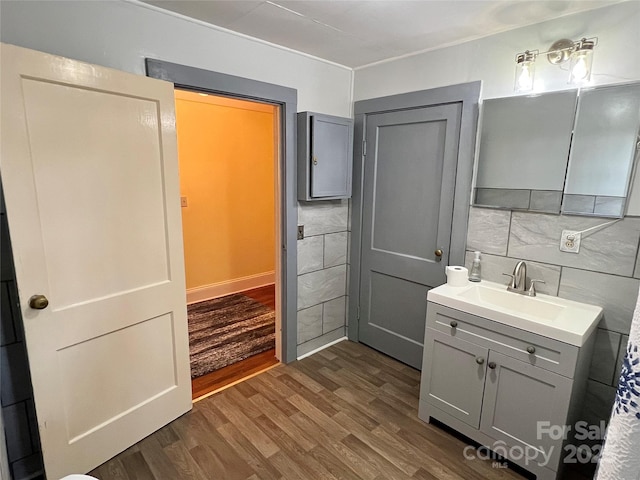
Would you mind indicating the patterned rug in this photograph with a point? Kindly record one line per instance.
(228, 329)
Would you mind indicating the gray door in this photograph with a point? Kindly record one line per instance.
(408, 191)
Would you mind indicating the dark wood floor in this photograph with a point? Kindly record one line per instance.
(347, 412)
(265, 295)
(218, 379)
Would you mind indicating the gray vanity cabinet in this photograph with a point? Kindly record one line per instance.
(325, 156)
(494, 383)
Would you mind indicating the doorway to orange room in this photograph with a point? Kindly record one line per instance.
(227, 150)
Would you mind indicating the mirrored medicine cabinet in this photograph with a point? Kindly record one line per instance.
(569, 152)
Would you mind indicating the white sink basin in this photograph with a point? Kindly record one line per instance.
(564, 320)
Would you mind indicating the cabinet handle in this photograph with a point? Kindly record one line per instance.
(479, 360)
(453, 324)
(531, 350)
(491, 365)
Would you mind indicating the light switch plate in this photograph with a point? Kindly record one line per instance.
(570, 241)
(183, 201)
(300, 232)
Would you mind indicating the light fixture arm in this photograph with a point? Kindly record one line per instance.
(562, 49)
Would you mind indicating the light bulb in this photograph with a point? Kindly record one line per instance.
(580, 70)
(524, 81)
(581, 62)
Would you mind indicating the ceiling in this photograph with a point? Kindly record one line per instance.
(355, 33)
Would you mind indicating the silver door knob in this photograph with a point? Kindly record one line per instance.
(479, 360)
(531, 350)
(38, 302)
(453, 324)
(491, 365)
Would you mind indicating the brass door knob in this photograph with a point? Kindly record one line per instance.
(38, 302)
(438, 253)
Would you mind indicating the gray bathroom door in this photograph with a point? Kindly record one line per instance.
(408, 192)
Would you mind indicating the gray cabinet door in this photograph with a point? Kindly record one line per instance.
(409, 181)
(453, 376)
(519, 396)
(331, 156)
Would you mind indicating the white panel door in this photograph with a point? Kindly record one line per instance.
(90, 176)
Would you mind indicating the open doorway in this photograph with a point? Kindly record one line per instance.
(228, 150)
(286, 100)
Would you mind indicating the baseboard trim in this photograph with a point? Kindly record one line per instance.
(229, 287)
(316, 350)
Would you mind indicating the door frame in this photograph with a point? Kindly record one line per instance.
(468, 94)
(197, 79)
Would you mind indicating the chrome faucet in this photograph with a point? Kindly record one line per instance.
(518, 283)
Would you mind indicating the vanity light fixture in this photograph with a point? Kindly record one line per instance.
(580, 54)
(525, 70)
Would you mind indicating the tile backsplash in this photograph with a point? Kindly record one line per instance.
(322, 273)
(605, 272)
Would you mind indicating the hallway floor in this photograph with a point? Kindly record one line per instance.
(235, 372)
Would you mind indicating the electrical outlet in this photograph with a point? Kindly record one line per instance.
(570, 241)
(300, 232)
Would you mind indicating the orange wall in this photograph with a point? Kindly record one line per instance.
(226, 150)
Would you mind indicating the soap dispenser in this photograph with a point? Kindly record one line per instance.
(476, 269)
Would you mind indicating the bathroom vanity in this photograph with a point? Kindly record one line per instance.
(507, 370)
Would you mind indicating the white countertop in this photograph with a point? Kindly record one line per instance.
(563, 320)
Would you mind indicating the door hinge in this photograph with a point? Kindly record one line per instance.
(358, 312)
(364, 148)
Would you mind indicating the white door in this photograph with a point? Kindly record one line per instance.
(90, 175)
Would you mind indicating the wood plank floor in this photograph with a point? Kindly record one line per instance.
(347, 412)
(225, 376)
(265, 295)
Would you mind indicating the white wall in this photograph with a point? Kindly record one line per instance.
(492, 59)
(121, 34)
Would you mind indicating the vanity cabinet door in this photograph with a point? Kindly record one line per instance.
(453, 376)
(518, 396)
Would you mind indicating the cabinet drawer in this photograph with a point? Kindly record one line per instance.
(548, 353)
